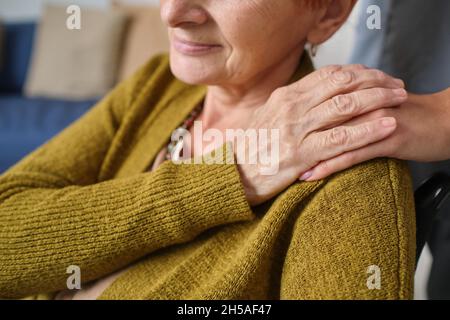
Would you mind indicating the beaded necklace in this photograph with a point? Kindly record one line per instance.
(177, 145)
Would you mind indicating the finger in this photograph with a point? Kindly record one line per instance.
(335, 73)
(342, 82)
(334, 142)
(342, 108)
(311, 80)
(373, 115)
(344, 161)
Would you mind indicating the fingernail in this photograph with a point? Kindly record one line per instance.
(306, 175)
(400, 93)
(388, 122)
(399, 82)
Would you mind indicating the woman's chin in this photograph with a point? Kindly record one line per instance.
(193, 76)
(195, 70)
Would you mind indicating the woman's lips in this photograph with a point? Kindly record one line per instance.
(194, 48)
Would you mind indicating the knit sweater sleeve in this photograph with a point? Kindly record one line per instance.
(55, 214)
(355, 239)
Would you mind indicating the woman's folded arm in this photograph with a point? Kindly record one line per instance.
(103, 227)
(55, 211)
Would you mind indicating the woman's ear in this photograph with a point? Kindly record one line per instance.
(331, 17)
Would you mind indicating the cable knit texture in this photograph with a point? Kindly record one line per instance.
(86, 198)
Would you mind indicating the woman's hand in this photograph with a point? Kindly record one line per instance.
(422, 134)
(309, 115)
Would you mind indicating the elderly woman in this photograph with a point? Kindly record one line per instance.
(102, 196)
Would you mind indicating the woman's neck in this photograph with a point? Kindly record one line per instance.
(240, 101)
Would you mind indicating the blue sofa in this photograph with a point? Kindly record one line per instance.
(26, 123)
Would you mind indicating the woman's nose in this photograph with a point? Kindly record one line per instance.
(178, 12)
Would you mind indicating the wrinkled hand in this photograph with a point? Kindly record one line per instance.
(422, 134)
(309, 115)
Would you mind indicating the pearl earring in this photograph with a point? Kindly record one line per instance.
(313, 49)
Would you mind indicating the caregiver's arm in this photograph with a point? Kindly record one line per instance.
(422, 134)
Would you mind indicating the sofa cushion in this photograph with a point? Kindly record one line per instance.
(76, 64)
(146, 37)
(26, 123)
(18, 113)
(17, 48)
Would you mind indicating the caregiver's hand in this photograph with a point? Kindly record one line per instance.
(309, 114)
(422, 134)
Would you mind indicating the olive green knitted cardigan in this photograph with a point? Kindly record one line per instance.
(86, 198)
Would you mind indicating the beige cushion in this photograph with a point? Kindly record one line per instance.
(146, 37)
(76, 64)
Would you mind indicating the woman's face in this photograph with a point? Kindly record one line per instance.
(229, 42)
